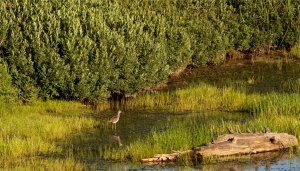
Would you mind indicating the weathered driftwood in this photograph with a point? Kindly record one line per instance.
(235, 144)
(166, 157)
(247, 143)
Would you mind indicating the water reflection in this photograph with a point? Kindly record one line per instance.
(263, 77)
(277, 77)
(117, 139)
(283, 163)
(90, 146)
(261, 161)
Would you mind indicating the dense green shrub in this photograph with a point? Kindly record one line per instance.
(8, 93)
(87, 50)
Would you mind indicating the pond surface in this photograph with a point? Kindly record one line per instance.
(138, 124)
(262, 77)
(279, 77)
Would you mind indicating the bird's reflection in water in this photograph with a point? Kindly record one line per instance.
(117, 139)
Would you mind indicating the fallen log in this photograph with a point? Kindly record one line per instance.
(234, 144)
(166, 157)
(247, 143)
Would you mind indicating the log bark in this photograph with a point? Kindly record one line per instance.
(246, 143)
(172, 157)
(234, 144)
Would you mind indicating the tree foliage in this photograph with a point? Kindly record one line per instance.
(7, 91)
(87, 50)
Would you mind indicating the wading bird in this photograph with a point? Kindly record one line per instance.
(115, 119)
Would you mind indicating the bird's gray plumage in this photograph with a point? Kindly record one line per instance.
(116, 118)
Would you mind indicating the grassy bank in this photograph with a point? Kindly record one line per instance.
(38, 135)
(208, 97)
(29, 134)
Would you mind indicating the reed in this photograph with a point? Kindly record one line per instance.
(207, 97)
(198, 97)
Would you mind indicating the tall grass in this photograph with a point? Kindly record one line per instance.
(279, 112)
(51, 164)
(33, 131)
(207, 97)
(184, 135)
(30, 131)
(198, 97)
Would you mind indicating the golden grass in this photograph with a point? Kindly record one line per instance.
(33, 130)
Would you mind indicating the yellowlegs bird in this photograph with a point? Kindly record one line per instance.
(115, 119)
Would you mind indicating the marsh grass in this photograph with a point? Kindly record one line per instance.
(291, 85)
(183, 135)
(195, 97)
(279, 112)
(34, 130)
(207, 97)
(52, 164)
(295, 51)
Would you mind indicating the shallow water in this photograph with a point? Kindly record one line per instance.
(276, 77)
(281, 165)
(262, 77)
(137, 124)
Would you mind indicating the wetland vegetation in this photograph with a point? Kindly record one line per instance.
(278, 110)
(69, 135)
(56, 56)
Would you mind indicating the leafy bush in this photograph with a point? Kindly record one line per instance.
(7, 91)
(90, 50)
